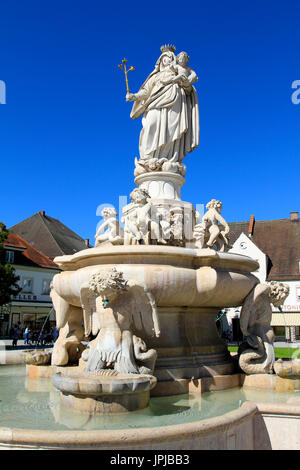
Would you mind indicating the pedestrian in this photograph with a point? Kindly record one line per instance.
(26, 332)
(15, 336)
(41, 338)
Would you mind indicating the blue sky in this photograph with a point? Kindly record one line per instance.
(67, 143)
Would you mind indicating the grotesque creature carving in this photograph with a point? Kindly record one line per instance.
(113, 307)
(256, 354)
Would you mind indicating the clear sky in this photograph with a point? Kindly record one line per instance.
(67, 141)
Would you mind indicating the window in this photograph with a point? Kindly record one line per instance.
(46, 287)
(299, 265)
(27, 284)
(10, 257)
(298, 293)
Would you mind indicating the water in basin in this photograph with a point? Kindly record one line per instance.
(34, 404)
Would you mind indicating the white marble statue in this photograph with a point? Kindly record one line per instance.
(169, 105)
(256, 354)
(208, 233)
(112, 308)
(68, 346)
(142, 221)
(109, 230)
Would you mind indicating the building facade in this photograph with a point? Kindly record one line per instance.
(32, 307)
(275, 244)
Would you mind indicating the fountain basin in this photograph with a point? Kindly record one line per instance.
(189, 285)
(94, 393)
(33, 417)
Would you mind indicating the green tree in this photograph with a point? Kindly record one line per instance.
(8, 279)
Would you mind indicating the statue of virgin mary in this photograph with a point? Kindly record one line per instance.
(169, 104)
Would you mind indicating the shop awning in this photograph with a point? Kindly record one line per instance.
(285, 319)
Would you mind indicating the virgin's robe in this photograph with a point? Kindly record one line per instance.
(170, 117)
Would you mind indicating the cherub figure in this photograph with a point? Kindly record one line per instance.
(140, 219)
(110, 227)
(208, 233)
(256, 354)
(186, 76)
(112, 307)
(177, 226)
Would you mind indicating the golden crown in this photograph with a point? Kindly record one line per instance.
(168, 47)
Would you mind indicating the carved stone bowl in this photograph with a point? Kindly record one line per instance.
(190, 287)
(95, 393)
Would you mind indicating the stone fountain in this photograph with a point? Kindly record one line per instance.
(146, 297)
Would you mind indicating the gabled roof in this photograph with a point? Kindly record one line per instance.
(49, 235)
(279, 240)
(28, 256)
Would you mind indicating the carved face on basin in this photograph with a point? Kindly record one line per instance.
(108, 285)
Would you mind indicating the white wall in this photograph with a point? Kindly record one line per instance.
(244, 246)
(38, 275)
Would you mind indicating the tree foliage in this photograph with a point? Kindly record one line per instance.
(8, 279)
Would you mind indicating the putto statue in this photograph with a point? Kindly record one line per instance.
(256, 354)
(207, 233)
(112, 308)
(143, 222)
(169, 105)
(109, 230)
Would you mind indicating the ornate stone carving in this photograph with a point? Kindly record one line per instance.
(110, 226)
(158, 164)
(207, 233)
(145, 223)
(38, 357)
(68, 346)
(256, 354)
(113, 307)
(152, 222)
(169, 104)
(287, 369)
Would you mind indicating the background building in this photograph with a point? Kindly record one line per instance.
(275, 244)
(49, 235)
(32, 306)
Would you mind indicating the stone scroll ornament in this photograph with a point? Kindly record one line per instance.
(114, 309)
(207, 233)
(256, 354)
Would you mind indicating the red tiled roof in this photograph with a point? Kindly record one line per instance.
(31, 253)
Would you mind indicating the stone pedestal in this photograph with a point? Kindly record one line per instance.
(161, 184)
(189, 346)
